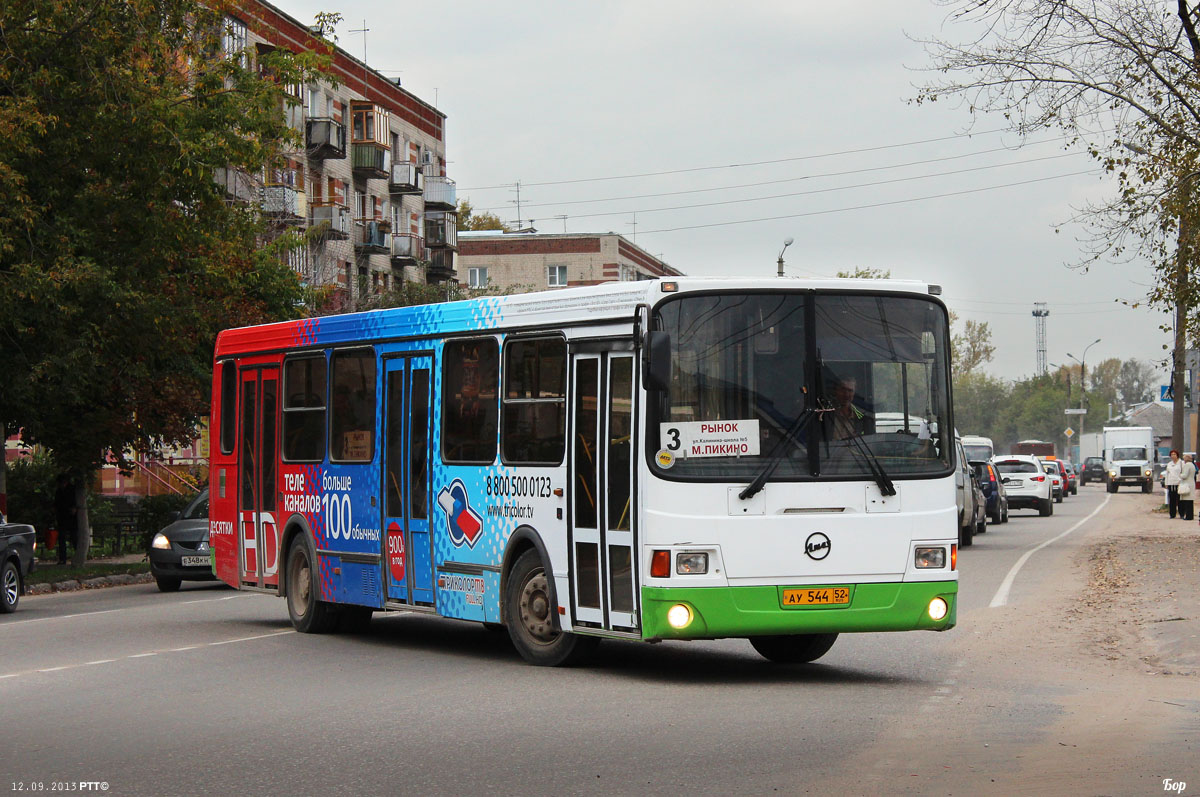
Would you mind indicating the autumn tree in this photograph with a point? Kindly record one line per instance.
(120, 257)
(469, 219)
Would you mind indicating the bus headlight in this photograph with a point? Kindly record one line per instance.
(938, 608)
(930, 557)
(679, 616)
(691, 564)
(161, 542)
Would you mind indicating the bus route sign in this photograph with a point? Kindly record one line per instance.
(692, 439)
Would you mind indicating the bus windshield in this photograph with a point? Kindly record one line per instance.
(815, 385)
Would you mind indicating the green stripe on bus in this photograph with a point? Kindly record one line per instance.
(751, 611)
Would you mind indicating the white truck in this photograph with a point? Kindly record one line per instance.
(1128, 457)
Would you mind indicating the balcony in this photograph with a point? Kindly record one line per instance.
(326, 139)
(440, 194)
(406, 249)
(441, 265)
(370, 237)
(369, 161)
(284, 201)
(334, 218)
(406, 178)
(441, 231)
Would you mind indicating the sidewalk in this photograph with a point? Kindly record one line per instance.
(45, 572)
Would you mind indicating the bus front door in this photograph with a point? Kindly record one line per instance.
(258, 535)
(408, 545)
(603, 518)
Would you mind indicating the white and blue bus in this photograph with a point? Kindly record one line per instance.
(668, 459)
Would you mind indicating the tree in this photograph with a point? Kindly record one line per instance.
(120, 257)
(1135, 383)
(866, 273)
(972, 347)
(468, 219)
(1122, 76)
(979, 400)
(1102, 388)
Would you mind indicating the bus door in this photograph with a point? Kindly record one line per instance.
(258, 455)
(602, 528)
(408, 544)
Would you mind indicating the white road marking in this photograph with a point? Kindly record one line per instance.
(1001, 597)
(146, 655)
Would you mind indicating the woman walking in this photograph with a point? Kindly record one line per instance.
(1171, 482)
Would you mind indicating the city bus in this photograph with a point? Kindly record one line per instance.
(657, 460)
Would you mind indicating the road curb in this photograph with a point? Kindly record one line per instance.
(99, 582)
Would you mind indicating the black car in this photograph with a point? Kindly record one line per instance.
(17, 547)
(995, 497)
(1092, 471)
(180, 551)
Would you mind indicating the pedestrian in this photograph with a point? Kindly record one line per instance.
(65, 514)
(1187, 487)
(1171, 482)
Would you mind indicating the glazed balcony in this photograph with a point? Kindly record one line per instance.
(334, 218)
(370, 237)
(284, 201)
(326, 139)
(407, 249)
(441, 230)
(406, 178)
(440, 193)
(370, 161)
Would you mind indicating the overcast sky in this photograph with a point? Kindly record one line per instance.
(543, 92)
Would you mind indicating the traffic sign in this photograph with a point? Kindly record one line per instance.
(1165, 393)
(1069, 432)
(1075, 411)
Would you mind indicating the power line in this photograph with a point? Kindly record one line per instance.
(868, 206)
(745, 165)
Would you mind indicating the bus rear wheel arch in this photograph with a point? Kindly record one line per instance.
(793, 648)
(531, 614)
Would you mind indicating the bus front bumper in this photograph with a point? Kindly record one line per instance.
(717, 612)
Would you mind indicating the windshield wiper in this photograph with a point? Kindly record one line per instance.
(777, 453)
(886, 487)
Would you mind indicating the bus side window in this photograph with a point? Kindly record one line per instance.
(228, 406)
(470, 390)
(352, 415)
(304, 409)
(534, 421)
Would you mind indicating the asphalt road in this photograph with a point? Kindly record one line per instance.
(209, 691)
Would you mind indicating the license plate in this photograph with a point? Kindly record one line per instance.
(196, 561)
(816, 596)
(1013, 482)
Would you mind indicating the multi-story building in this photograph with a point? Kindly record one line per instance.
(370, 179)
(540, 261)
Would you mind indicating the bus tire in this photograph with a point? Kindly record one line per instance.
(531, 618)
(308, 615)
(793, 649)
(1045, 507)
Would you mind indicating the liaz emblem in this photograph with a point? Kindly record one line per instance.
(462, 522)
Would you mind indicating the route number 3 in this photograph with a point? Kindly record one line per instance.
(674, 444)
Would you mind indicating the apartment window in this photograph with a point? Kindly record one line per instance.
(304, 409)
(470, 379)
(233, 40)
(556, 276)
(535, 393)
(477, 277)
(352, 414)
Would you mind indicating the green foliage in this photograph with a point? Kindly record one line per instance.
(120, 257)
(468, 219)
(31, 486)
(866, 273)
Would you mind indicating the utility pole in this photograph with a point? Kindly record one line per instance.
(1039, 323)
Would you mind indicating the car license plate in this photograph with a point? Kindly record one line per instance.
(1012, 482)
(196, 561)
(818, 596)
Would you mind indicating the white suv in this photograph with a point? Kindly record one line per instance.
(1027, 483)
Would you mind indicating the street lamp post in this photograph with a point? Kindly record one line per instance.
(1082, 385)
(786, 243)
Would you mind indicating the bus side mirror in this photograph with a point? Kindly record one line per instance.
(656, 360)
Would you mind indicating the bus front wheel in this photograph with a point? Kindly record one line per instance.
(531, 617)
(793, 649)
(308, 614)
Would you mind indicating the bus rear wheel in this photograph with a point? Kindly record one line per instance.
(793, 649)
(308, 615)
(530, 615)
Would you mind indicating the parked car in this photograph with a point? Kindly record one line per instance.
(994, 496)
(972, 511)
(1093, 470)
(180, 551)
(18, 545)
(1027, 483)
(1056, 477)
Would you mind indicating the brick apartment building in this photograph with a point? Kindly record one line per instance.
(541, 261)
(371, 175)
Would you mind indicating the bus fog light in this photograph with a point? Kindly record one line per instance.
(930, 557)
(938, 608)
(691, 563)
(679, 616)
